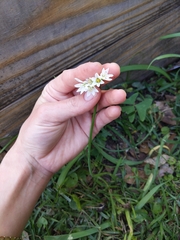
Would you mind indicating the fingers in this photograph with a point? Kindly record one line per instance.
(60, 111)
(111, 97)
(106, 116)
(62, 85)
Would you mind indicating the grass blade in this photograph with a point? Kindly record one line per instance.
(145, 67)
(173, 35)
(164, 56)
(65, 171)
(90, 140)
(146, 198)
(8, 144)
(79, 235)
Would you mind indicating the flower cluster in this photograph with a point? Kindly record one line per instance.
(89, 85)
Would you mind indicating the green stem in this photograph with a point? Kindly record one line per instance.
(90, 140)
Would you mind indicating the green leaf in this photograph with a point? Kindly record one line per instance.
(128, 109)
(142, 108)
(157, 207)
(73, 205)
(131, 117)
(131, 100)
(72, 180)
(77, 201)
(138, 85)
(140, 216)
(42, 222)
(148, 183)
(66, 169)
(146, 198)
(145, 67)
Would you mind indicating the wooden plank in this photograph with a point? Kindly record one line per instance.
(141, 45)
(41, 38)
(14, 115)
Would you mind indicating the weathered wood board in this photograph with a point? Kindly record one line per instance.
(41, 38)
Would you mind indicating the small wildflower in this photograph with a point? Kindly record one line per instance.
(89, 85)
(97, 80)
(82, 86)
(92, 91)
(105, 75)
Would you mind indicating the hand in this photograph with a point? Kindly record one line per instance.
(58, 128)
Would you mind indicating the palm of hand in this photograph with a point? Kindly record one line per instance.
(59, 126)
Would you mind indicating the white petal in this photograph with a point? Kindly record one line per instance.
(77, 79)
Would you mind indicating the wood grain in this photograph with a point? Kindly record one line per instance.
(39, 39)
(48, 41)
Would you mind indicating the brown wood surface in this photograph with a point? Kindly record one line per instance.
(39, 39)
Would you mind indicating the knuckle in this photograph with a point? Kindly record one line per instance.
(73, 102)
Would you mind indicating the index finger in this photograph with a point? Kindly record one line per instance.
(65, 82)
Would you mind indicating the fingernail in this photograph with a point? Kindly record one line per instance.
(88, 96)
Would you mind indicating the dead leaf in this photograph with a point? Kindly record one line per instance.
(167, 114)
(144, 148)
(109, 169)
(130, 177)
(163, 165)
(133, 153)
(171, 137)
(152, 161)
(165, 169)
(142, 156)
(170, 98)
(128, 169)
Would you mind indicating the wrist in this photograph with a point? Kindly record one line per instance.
(22, 181)
(19, 156)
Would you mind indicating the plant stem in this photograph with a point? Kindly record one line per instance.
(90, 140)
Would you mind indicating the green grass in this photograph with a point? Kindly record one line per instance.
(108, 191)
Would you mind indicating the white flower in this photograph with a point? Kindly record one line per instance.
(105, 76)
(89, 85)
(97, 80)
(92, 91)
(82, 86)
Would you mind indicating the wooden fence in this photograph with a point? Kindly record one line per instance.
(41, 38)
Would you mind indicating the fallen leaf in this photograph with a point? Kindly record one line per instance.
(152, 161)
(128, 169)
(170, 98)
(167, 114)
(165, 169)
(130, 177)
(144, 148)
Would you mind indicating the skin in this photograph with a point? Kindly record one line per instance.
(60, 120)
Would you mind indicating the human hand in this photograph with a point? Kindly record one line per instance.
(58, 128)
